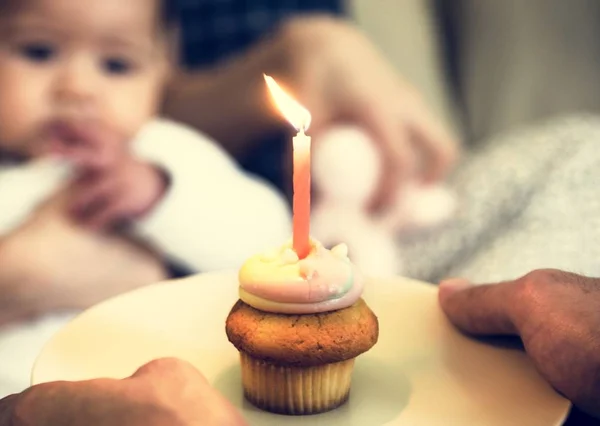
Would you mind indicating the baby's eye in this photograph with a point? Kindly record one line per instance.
(38, 52)
(118, 66)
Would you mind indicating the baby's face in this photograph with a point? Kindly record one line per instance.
(64, 63)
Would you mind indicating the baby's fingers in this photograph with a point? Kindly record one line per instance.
(92, 197)
(110, 213)
(87, 147)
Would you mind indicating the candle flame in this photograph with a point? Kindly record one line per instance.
(296, 114)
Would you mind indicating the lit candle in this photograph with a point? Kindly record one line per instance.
(300, 118)
(301, 194)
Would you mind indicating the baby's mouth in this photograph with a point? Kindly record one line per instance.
(67, 133)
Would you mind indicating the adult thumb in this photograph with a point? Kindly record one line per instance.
(479, 310)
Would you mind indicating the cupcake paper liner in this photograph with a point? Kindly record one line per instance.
(296, 390)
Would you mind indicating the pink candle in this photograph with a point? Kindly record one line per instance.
(301, 194)
(300, 118)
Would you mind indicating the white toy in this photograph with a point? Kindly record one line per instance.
(346, 169)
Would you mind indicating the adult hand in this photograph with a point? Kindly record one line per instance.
(339, 75)
(556, 314)
(335, 72)
(165, 392)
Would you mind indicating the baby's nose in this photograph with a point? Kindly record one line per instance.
(77, 84)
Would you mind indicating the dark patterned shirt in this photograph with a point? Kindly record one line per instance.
(215, 29)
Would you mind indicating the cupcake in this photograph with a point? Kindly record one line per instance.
(299, 325)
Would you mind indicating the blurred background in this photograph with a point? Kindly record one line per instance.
(488, 66)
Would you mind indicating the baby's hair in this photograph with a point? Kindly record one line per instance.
(169, 13)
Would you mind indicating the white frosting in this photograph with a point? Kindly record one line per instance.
(278, 281)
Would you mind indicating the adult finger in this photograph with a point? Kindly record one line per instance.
(439, 149)
(480, 310)
(7, 407)
(397, 154)
(179, 373)
(172, 369)
(42, 404)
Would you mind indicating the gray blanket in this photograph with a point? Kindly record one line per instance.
(528, 200)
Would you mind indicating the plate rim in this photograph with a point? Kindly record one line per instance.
(425, 286)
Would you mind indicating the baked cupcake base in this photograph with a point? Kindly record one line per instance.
(300, 364)
(296, 390)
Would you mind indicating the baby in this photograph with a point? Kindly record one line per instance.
(96, 195)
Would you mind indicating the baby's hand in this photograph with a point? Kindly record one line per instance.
(106, 198)
(112, 186)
